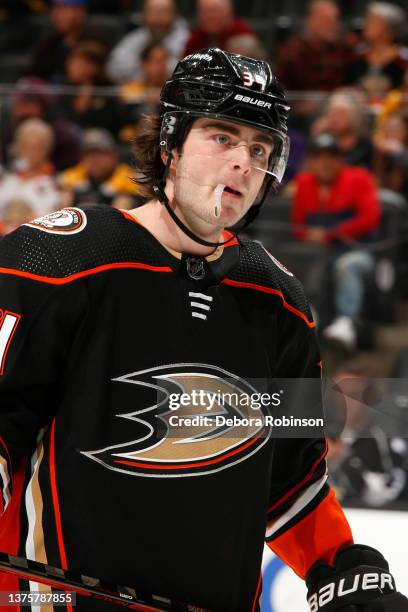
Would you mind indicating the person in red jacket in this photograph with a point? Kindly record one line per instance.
(216, 25)
(337, 205)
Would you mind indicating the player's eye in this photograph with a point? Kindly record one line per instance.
(222, 139)
(258, 151)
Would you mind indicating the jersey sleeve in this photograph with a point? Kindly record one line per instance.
(38, 318)
(305, 522)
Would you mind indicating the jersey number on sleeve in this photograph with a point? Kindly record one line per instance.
(8, 325)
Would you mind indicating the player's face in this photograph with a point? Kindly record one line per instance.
(216, 153)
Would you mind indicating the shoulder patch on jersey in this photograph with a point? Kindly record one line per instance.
(64, 222)
(277, 262)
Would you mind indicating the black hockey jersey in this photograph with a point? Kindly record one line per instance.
(107, 340)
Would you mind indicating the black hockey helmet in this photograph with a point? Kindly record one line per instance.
(214, 83)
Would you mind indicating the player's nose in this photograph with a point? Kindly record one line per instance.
(241, 159)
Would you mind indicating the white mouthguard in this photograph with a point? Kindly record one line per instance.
(217, 199)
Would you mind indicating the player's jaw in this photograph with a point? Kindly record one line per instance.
(203, 184)
(197, 205)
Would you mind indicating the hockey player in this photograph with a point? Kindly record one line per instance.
(113, 323)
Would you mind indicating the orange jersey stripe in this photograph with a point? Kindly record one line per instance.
(4, 445)
(244, 285)
(258, 588)
(90, 272)
(130, 217)
(57, 512)
(225, 234)
(188, 465)
(54, 493)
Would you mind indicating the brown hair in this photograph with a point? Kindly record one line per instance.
(149, 166)
(146, 150)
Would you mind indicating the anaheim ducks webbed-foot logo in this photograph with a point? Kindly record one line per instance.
(64, 222)
(201, 422)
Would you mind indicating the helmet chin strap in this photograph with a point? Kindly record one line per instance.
(162, 197)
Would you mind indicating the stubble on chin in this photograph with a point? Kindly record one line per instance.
(196, 205)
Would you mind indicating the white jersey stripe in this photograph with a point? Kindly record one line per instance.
(201, 295)
(31, 517)
(34, 547)
(6, 330)
(198, 305)
(302, 501)
(6, 482)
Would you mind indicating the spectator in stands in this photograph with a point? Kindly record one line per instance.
(366, 464)
(99, 178)
(381, 52)
(346, 118)
(15, 214)
(390, 159)
(337, 205)
(246, 44)
(29, 184)
(143, 97)
(395, 100)
(69, 20)
(216, 25)
(88, 106)
(153, 60)
(317, 59)
(33, 99)
(161, 24)
(390, 140)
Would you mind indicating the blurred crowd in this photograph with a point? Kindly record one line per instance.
(76, 76)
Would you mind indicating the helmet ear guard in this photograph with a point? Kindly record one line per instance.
(172, 134)
(174, 130)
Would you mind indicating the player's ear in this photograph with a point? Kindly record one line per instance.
(164, 157)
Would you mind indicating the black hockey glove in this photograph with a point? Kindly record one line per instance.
(358, 582)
